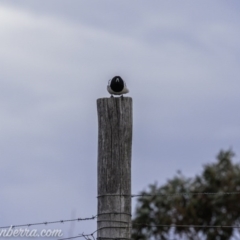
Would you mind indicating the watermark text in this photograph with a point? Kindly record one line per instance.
(25, 232)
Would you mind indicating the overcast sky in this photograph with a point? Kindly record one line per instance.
(180, 60)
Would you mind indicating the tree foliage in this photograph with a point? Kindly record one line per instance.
(169, 206)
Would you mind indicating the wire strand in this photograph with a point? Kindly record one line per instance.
(133, 196)
(52, 222)
(148, 225)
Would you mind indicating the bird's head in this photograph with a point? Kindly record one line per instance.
(116, 84)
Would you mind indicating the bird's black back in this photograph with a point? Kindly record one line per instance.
(117, 84)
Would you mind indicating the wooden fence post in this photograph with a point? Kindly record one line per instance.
(114, 168)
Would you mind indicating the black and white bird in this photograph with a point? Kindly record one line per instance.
(117, 86)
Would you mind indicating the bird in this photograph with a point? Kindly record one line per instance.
(116, 86)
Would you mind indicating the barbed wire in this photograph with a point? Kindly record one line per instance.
(143, 224)
(51, 222)
(146, 225)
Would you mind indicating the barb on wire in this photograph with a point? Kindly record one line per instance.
(52, 222)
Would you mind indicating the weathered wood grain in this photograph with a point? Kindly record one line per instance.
(114, 167)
